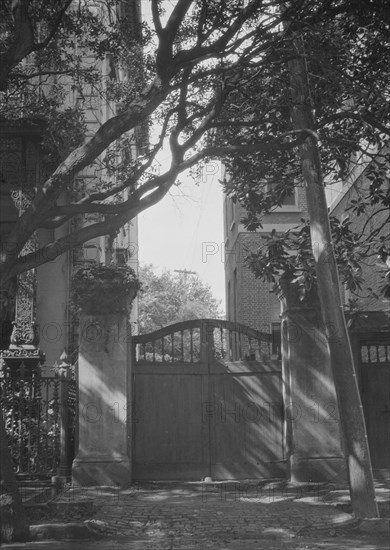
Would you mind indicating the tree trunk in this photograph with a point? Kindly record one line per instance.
(13, 521)
(353, 427)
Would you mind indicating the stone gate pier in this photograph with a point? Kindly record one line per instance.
(104, 454)
(313, 432)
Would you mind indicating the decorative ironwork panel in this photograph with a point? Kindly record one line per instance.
(202, 340)
(19, 163)
(182, 346)
(31, 409)
(375, 353)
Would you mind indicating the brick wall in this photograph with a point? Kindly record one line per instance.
(249, 300)
(254, 304)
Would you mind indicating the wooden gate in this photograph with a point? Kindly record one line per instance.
(207, 401)
(375, 391)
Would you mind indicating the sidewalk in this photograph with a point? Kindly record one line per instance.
(229, 515)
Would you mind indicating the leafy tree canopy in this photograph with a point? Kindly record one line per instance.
(169, 298)
(346, 49)
(177, 71)
(213, 75)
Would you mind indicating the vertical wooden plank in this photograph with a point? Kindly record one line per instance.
(204, 343)
(375, 379)
(246, 428)
(169, 439)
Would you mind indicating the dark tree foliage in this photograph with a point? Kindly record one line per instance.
(214, 76)
(177, 71)
(346, 50)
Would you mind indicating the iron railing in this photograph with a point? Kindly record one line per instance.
(199, 340)
(40, 417)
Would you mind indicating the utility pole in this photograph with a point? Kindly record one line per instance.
(185, 273)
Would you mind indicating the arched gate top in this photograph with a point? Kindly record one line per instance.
(199, 340)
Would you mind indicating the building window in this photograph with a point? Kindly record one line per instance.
(229, 302)
(235, 295)
(226, 216)
(276, 340)
(290, 202)
(88, 253)
(121, 256)
(8, 298)
(232, 214)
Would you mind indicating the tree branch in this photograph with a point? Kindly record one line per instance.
(22, 44)
(55, 27)
(82, 156)
(371, 121)
(164, 54)
(156, 18)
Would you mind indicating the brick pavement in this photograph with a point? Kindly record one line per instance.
(165, 513)
(225, 516)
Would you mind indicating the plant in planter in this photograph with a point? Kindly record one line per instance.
(101, 289)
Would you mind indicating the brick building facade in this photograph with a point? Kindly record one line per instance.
(251, 301)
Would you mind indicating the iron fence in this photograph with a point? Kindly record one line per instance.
(40, 417)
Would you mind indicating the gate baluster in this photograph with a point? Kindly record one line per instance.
(22, 414)
(46, 422)
(56, 397)
(13, 408)
(39, 413)
(29, 424)
(64, 372)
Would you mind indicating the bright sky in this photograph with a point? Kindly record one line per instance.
(185, 230)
